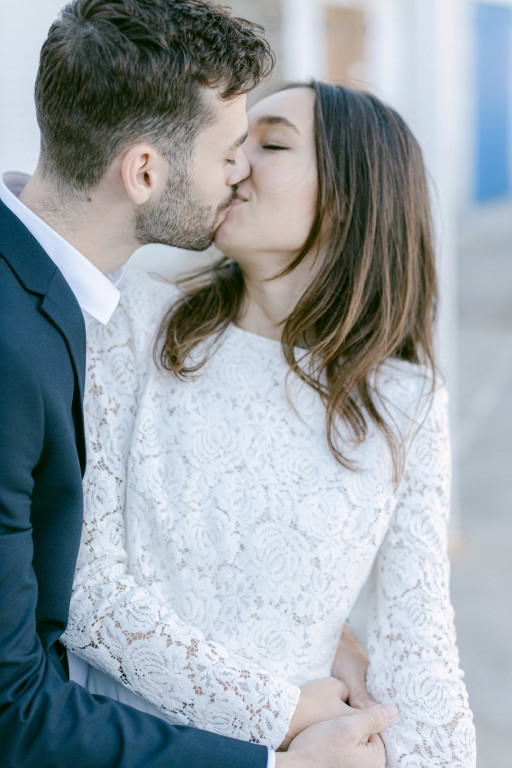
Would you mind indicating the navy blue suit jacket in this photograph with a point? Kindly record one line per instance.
(46, 721)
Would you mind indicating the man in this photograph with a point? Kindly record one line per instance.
(141, 108)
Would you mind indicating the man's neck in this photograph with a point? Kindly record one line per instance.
(96, 225)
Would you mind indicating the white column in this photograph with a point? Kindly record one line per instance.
(304, 49)
(438, 117)
(390, 51)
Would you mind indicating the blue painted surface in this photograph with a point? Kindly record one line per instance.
(494, 89)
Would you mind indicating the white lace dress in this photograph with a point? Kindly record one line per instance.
(224, 547)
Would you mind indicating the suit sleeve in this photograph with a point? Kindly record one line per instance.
(45, 721)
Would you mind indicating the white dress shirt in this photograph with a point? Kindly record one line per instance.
(95, 292)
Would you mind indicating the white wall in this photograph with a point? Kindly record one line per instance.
(23, 28)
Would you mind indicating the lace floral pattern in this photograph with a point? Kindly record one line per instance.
(224, 547)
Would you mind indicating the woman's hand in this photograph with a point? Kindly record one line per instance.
(349, 666)
(319, 700)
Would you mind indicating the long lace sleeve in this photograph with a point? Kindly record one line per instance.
(411, 636)
(116, 624)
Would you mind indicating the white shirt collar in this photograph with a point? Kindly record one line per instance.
(95, 292)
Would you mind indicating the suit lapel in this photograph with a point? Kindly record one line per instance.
(39, 275)
(60, 309)
(56, 306)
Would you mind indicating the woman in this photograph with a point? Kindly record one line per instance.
(291, 441)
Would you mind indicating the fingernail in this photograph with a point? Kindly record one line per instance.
(368, 703)
(390, 711)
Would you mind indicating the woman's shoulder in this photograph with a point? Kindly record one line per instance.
(145, 299)
(145, 296)
(410, 390)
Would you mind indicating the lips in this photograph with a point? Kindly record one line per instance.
(237, 200)
(224, 213)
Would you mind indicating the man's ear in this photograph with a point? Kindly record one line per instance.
(144, 172)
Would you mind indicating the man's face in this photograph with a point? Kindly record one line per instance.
(195, 202)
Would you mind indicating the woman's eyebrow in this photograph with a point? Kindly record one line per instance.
(277, 120)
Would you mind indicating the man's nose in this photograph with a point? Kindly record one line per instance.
(240, 170)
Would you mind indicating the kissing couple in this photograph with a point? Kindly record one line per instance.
(257, 440)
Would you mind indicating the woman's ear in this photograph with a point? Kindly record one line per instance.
(144, 172)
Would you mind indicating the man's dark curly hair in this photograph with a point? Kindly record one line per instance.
(113, 72)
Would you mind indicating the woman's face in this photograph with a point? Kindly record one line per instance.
(275, 205)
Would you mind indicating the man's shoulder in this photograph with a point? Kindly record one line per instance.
(23, 255)
(18, 306)
(31, 345)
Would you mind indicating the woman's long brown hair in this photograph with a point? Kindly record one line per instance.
(375, 292)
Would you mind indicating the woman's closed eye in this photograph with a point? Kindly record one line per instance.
(273, 146)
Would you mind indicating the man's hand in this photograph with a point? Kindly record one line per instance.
(351, 741)
(319, 700)
(349, 666)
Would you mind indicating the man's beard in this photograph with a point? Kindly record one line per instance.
(179, 220)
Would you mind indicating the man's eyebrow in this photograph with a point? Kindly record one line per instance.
(238, 143)
(277, 120)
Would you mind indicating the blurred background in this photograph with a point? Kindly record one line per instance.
(446, 65)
